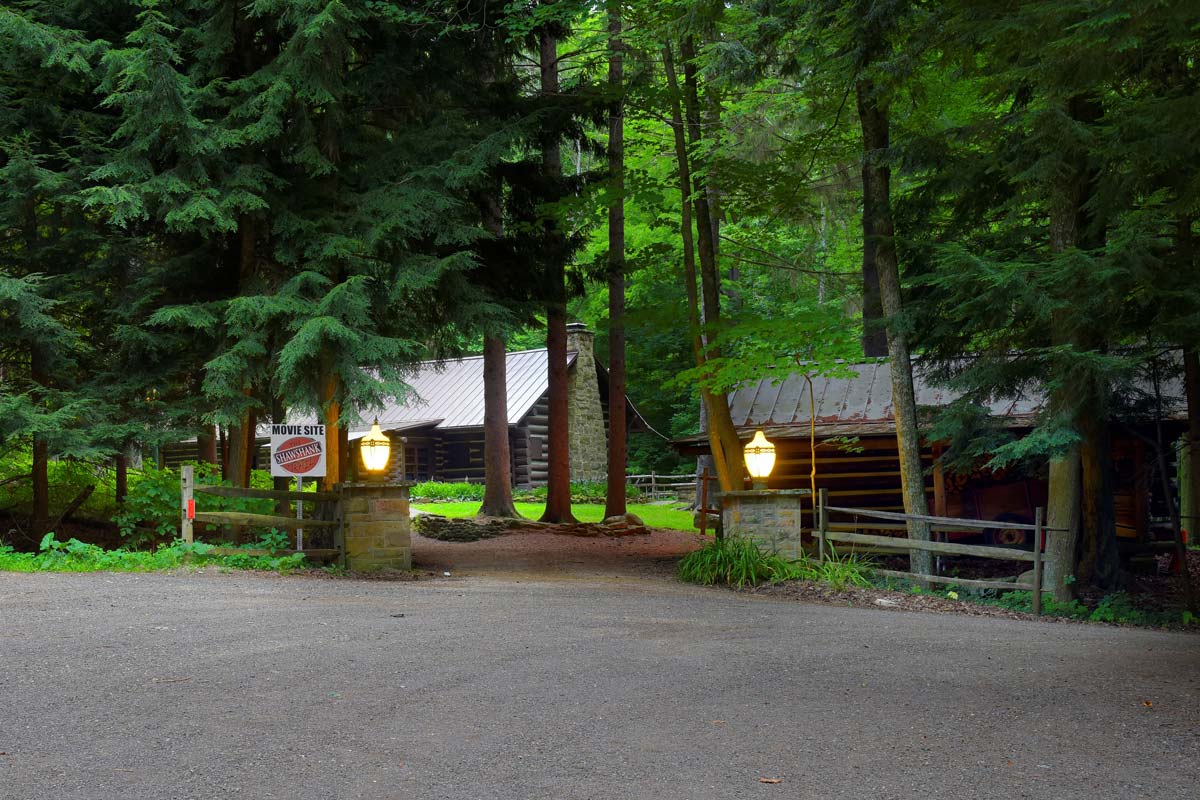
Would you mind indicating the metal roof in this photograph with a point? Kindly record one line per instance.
(860, 404)
(449, 394)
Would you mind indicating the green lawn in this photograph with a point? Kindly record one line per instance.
(654, 516)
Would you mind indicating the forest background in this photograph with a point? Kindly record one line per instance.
(212, 211)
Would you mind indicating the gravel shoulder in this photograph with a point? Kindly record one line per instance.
(207, 685)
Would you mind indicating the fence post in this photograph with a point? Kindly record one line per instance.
(704, 502)
(187, 480)
(1037, 561)
(822, 522)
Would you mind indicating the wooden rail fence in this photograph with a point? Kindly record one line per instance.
(189, 515)
(843, 531)
(660, 487)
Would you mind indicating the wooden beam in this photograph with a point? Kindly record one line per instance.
(315, 554)
(979, 524)
(975, 584)
(946, 548)
(269, 494)
(261, 520)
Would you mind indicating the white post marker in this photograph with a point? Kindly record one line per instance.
(187, 480)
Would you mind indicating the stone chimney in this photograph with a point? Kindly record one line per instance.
(588, 436)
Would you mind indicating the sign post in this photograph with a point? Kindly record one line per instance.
(298, 451)
(299, 513)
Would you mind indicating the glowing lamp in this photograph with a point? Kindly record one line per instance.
(375, 448)
(760, 459)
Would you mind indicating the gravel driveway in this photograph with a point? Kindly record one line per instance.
(231, 685)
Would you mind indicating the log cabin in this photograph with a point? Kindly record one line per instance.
(851, 438)
(438, 427)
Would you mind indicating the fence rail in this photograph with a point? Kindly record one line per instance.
(189, 515)
(658, 487)
(828, 531)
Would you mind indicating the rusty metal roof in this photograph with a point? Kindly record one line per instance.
(862, 404)
(858, 404)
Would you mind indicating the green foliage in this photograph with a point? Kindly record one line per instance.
(738, 562)
(435, 491)
(76, 556)
(67, 479)
(581, 492)
(839, 572)
(655, 516)
(1118, 608)
(152, 507)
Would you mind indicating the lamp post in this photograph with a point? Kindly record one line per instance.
(375, 448)
(760, 459)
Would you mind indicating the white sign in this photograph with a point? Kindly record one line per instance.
(297, 451)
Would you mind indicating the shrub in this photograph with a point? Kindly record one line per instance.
(66, 479)
(739, 562)
(593, 492)
(435, 491)
(76, 556)
(151, 509)
(841, 572)
(581, 492)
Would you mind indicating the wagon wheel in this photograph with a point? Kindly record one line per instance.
(1007, 537)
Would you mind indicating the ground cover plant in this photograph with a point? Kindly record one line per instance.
(655, 516)
(1118, 608)
(739, 562)
(76, 556)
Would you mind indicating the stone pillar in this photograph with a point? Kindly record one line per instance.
(377, 526)
(588, 437)
(774, 518)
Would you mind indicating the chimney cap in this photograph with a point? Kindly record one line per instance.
(577, 327)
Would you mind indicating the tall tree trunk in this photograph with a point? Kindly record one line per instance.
(120, 477)
(1191, 376)
(280, 483)
(497, 457)
(615, 496)
(241, 435)
(331, 412)
(874, 335)
(206, 445)
(41, 457)
(1099, 561)
(1063, 515)
(1086, 467)
(729, 464)
(558, 446)
(497, 460)
(690, 282)
(241, 450)
(878, 231)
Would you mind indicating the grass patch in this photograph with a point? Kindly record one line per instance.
(740, 562)
(653, 515)
(581, 492)
(76, 556)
